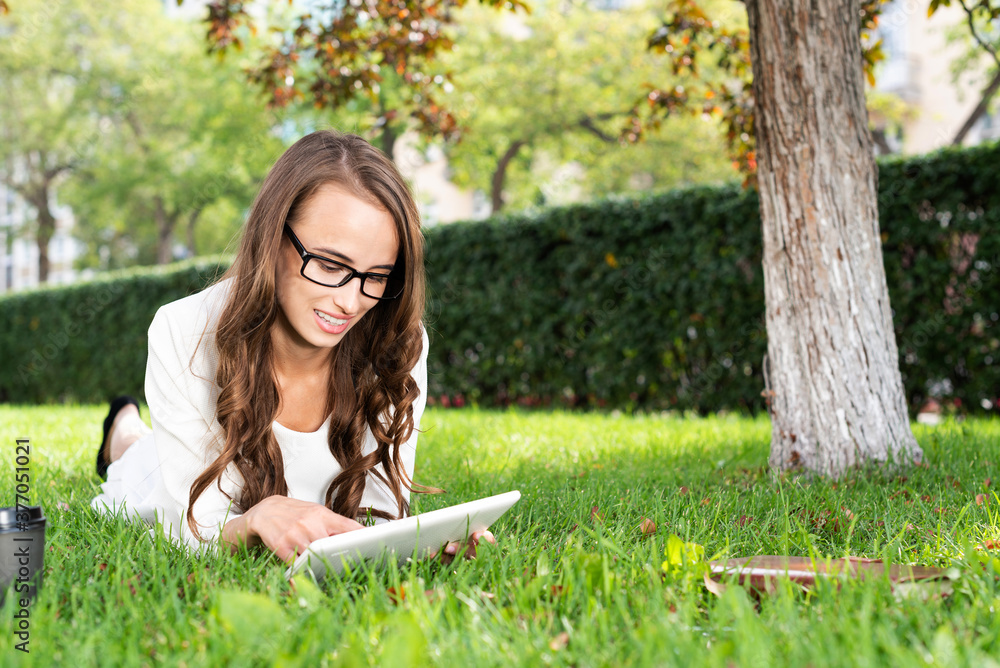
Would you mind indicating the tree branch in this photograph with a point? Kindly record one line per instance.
(587, 123)
(972, 28)
(980, 109)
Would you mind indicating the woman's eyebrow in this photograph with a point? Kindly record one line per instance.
(347, 260)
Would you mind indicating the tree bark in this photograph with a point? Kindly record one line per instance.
(836, 395)
(500, 175)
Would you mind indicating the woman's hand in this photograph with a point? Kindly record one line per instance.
(451, 549)
(287, 526)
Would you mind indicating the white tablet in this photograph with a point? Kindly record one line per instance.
(417, 535)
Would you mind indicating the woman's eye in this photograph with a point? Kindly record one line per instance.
(331, 268)
(378, 279)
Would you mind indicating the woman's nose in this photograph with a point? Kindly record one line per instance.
(348, 297)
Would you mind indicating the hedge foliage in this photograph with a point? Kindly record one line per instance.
(87, 341)
(646, 303)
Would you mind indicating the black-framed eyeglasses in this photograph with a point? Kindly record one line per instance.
(333, 274)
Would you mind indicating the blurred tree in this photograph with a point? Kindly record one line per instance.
(380, 52)
(542, 99)
(47, 119)
(141, 135)
(188, 138)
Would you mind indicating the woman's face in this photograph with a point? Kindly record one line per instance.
(337, 225)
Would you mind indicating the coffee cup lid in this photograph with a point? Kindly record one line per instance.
(9, 515)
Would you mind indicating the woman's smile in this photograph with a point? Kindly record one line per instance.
(331, 324)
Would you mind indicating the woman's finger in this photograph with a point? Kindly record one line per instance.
(486, 535)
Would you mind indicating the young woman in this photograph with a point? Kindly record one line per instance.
(285, 398)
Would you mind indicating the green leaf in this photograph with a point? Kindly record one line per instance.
(405, 644)
(681, 555)
(250, 616)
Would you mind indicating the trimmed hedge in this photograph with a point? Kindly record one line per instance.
(659, 303)
(645, 303)
(87, 341)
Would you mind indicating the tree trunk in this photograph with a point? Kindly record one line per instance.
(388, 141)
(46, 230)
(165, 232)
(984, 103)
(500, 175)
(836, 395)
(39, 198)
(192, 219)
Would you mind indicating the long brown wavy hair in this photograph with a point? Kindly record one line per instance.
(370, 382)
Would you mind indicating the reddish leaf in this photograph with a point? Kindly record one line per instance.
(683, 490)
(648, 526)
(595, 515)
(744, 520)
(982, 500)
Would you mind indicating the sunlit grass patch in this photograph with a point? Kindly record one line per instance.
(577, 576)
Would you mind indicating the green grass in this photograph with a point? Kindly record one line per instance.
(559, 588)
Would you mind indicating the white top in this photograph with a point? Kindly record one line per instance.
(153, 477)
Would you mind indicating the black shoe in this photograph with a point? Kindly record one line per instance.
(103, 454)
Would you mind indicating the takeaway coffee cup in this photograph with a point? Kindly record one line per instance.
(22, 546)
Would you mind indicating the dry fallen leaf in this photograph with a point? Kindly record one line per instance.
(744, 520)
(683, 490)
(982, 499)
(396, 596)
(990, 545)
(595, 515)
(559, 642)
(647, 526)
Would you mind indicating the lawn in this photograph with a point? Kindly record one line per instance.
(566, 584)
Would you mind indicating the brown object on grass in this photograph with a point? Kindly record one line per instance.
(761, 573)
